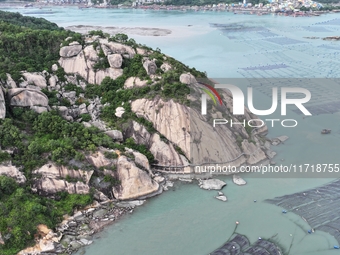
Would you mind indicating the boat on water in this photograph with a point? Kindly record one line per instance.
(28, 5)
(326, 131)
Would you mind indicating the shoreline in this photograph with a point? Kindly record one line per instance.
(141, 31)
(249, 10)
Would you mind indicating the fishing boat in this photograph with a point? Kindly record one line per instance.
(326, 131)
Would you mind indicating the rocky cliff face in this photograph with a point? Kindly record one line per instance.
(134, 181)
(193, 133)
(52, 179)
(12, 171)
(75, 59)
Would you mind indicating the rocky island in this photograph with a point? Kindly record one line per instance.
(90, 125)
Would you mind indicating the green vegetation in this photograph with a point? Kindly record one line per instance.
(113, 181)
(21, 212)
(48, 134)
(28, 44)
(33, 45)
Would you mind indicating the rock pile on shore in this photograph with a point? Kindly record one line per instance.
(78, 230)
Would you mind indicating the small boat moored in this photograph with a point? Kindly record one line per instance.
(326, 131)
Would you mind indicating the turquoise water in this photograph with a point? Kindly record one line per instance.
(188, 220)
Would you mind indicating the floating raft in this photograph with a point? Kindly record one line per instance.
(239, 245)
(319, 207)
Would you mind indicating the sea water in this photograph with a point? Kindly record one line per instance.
(186, 219)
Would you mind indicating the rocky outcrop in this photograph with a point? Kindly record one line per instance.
(238, 180)
(54, 67)
(117, 48)
(70, 51)
(211, 184)
(253, 152)
(187, 78)
(149, 66)
(36, 79)
(13, 172)
(193, 133)
(135, 182)
(76, 65)
(110, 72)
(54, 172)
(165, 153)
(45, 244)
(98, 159)
(132, 82)
(10, 82)
(2, 104)
(50, 186)
(115, 60)
(52, 81)
(166, 67)
(27, 97)
(74, 60)
(278, 140)
(53, 179)
(119, 112)
(139, 133)
(141, 160)
(115, 135)
(169, 118)
(222, 198)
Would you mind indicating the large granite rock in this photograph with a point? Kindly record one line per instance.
(76, 65)
(91, 53)
(115, 135)
(132, 82)
(165, 153)
(36, 79)
(186, 128)
(54, 172)
(51, 181)
(166, 67)
(141, 160)
(187, 78)
(53, 80)
(139, 133)
(169, 118)
(98, 159)
(135, 182)
(70, 51)
(2, 104)
(118, 48)
(238, 180)
(27, 97)
(115, 60)
(212, 184)
(46, 243)
(150, 66)
(113, 73)
(10, 82)
(253, 152)
(13, 172)
(47, 185)
(74, 60)
(119, 111)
